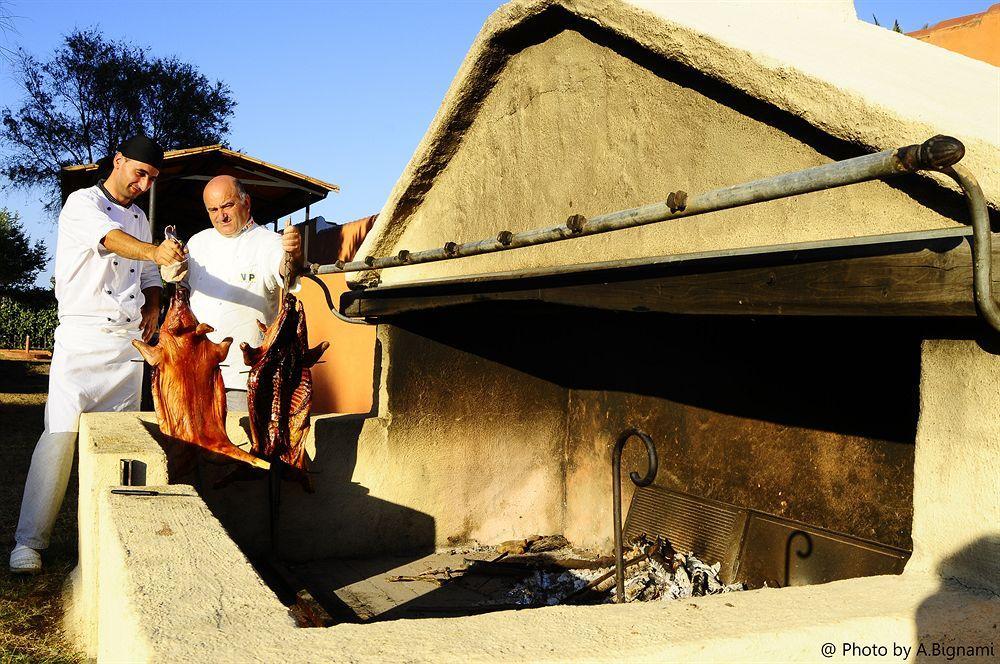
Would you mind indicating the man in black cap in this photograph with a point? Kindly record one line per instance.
(108, 289)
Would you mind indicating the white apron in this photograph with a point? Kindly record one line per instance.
(91, 371)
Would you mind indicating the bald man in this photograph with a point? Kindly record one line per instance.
(234, 271)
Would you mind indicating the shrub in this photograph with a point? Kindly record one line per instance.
(21, 316)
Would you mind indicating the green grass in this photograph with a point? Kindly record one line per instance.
(30, 607)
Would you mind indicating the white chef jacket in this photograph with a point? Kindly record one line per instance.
(100, 298)
(93, 286)
(235, 282)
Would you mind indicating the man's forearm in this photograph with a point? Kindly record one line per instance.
(152, 295)
(126, 246)
(295, 261)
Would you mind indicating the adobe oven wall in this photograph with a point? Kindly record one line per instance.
(581, 122)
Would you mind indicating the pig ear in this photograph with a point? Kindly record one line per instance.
(250, 354)
(152, 354)
(311, 356)
(223, 347)
(203, 328)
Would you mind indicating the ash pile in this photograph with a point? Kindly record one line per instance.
(654, 571)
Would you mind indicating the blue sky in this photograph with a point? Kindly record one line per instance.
(342, 91)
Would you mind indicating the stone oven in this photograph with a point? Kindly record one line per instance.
(811, 368)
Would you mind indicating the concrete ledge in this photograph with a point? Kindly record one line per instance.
(175, 588)
(169, 575)
(121, 436)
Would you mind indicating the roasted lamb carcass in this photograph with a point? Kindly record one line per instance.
(279, 388)
(188, 393)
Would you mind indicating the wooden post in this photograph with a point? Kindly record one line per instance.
(309, 230)
(27, 343)
(152, 211)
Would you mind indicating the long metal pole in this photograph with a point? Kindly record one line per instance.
(937, 153)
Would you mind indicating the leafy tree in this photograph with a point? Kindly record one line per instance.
(6, 29)
(20, 261)
(92, 94)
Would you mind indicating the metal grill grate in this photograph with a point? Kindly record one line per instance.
(711, 529)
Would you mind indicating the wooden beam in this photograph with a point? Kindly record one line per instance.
(928, 277)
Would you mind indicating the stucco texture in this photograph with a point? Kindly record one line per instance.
(573, 127)
(179, 591)
(462, 448)
(589, 107)
(956, 530)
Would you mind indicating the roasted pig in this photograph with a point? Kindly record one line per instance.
(188, 393)
(279, 388)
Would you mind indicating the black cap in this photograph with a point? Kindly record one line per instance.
(143, 149)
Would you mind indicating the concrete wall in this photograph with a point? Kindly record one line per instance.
(584, 124)
(461, 448)
(811, 420)
(578, 121)
(174, 588)
(956, 528)
(105, 439)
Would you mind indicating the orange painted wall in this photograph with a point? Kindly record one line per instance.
(976, 36)
(343, 383)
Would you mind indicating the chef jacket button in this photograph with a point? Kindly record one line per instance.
(132, 270)
(109, 292)
(108, 209)
(128, 320)
(136, 216)
(109, 319)
(116, 262)
(131, 297)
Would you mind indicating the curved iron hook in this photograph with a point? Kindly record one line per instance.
(616, 469)
(329, 302)
(982, 249)
(801, 554)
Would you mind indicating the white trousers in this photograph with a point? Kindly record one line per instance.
(91, 371)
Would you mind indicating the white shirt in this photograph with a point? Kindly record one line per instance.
(235, 282)
(95, 287)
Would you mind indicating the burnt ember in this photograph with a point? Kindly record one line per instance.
(546, 571)
(654, 571)
(474, 579)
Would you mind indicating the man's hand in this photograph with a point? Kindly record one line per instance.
(168, 252)
(150, 312)
(175, 273)
(291, 242)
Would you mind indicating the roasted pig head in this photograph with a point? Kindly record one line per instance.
(279, 388)
(188, 392)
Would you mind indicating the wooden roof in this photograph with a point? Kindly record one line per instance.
(274, 191)
(913, 274)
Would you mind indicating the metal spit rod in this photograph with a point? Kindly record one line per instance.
(937, 153)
